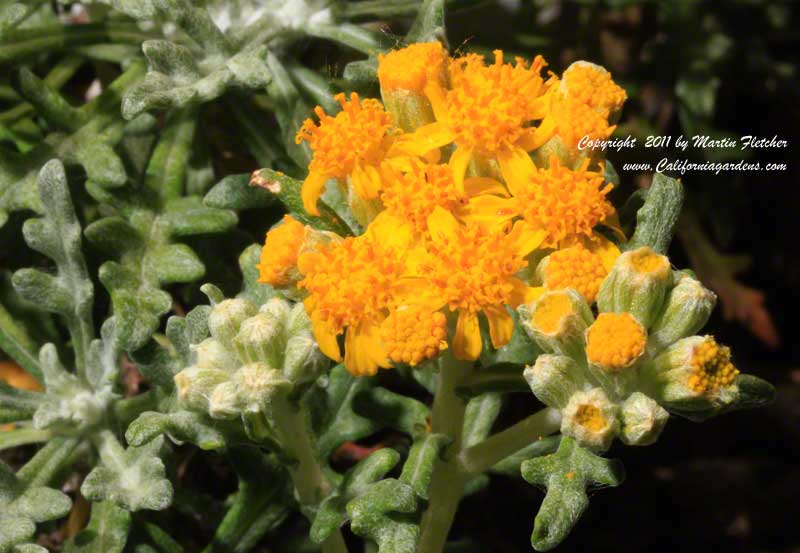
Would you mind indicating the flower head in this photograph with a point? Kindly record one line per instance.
(575, 267)
(350, 144)
(412, 334)
(471, 269)
(711, 367)
(615, 341)
(411, 68)
(350, 287)
(280, 251)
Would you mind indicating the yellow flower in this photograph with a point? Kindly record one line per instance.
(487, 112)
(280, 251)
(575, 267)
(352, 144)
(584, 102)
(413, 333)
(567, 205)
(350, 288)
(615, 341)
(711, 367)
(412, 67)
(413, 193)
(471, 269)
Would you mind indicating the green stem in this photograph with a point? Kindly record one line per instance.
(447, 480)
(310, 483)
(482, 456)
(379, 9)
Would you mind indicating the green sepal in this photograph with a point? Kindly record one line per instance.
(23, 506)
(107, 531)
(657, 218)
(752, 392)
(133, 478)
(333, 510)
(566, 474)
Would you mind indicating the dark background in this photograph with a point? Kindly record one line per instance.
(722, 69)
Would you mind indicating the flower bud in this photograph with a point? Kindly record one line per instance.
(404, 75)
(557, 321)
(591, 418)
(304, 361)
(637, 284)
(693, 374)
(227, 316)
(211, 354)
(195, 386)
(224, 402)
(261, 338)
(575, 267)
(259, 385)
(642, 420)
(554, 379)
(687, 309)
(615, 343)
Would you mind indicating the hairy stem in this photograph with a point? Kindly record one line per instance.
(310, 483)
(48, 462)
(447, 481)
(480, 457)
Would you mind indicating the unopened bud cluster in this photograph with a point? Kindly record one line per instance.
(253, 356)
(618, 373)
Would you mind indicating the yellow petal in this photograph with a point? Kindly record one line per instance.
(442, 225)
(489, 209)
(516, 167)
(467, 342)
(458, 163)
(612, 222)
(474, 186)
(423, 140)
(540, 107)
(312, 189)
(602, 246)
(437, 97)
(366, 181)
(524, 238)
(523, 293)
(364, 353)
(326, 339)
(544, 132)
(391, 231)
(501, 325)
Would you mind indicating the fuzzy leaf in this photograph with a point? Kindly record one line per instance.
(429, 24)
(184, 426)
(392, 410)
(287, 190)
(58, 235)
(261, 504)
(332, 410)
(23, 506)
(418, 468)
(144, 230)
(333, 511)
(132, 478)
(566, 474)
(107, 531)
(17, 405)
(256, 292)
(235, 192)
(656, 219)
(384, 514)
